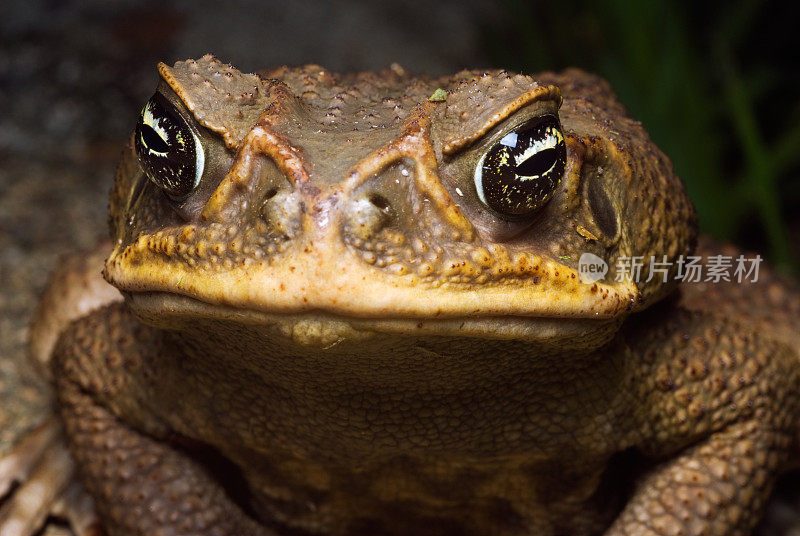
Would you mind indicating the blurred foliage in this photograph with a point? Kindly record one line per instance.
(715, 84)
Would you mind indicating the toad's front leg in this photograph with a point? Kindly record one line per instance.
(717, 488)
(722, 403)
(36, 472)
(141, 484)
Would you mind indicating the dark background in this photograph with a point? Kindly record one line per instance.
(716, 85)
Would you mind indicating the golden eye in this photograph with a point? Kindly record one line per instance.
(168, 150)
(519, 174)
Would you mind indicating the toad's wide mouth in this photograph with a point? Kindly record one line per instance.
(313, 284)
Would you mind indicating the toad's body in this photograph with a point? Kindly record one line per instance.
(330, 328)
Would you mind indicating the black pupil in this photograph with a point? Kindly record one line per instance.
(538, 163)
(153, 140)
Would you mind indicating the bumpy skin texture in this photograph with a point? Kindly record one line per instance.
(332, 335)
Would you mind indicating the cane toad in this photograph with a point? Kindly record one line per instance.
(353, 304)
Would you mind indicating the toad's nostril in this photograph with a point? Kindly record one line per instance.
(380, 202)
(270, 193)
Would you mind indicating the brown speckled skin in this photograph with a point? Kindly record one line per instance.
(333, 336)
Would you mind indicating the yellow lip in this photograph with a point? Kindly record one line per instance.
(330, 277)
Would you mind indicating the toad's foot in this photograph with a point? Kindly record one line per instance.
(37, 474)
(41, 466)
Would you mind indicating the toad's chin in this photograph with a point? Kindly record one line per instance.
(323, 329)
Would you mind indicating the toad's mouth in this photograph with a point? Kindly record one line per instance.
(313, 291)
(333, 279)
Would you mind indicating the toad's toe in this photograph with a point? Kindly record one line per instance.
(40, 475)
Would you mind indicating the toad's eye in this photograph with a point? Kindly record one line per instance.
(519, 174)
(168, 149)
